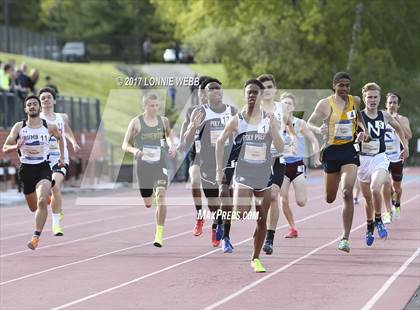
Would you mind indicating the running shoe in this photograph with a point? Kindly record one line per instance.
(369, 238)
(198, 228)
(214, 241)
(344, 245)
(268, 247)
(292, 233)
(57, 231)
(226, 245)
(256, 264)
(158, 237)
(386, 218)
(219, 232)
(397, 213)
(382, 232)
(33, 244)
(355, 200)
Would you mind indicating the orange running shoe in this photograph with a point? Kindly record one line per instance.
(33, 244)
(214, 241)
(198, 228)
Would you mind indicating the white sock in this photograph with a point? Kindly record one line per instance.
(56, 218)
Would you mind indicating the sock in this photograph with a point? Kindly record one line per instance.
(214, 225)
(397, 204)
(226, 230)
(37, 233)
(270, 234)
(370, 226)
(198, 208)
(56, 219)
(219, 220)
(378, 217)
(159, 229)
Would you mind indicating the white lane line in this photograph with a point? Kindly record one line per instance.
(389, 282)
(92, 236)
(277, 271)
(175, 265)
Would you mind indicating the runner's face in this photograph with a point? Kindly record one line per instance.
(152, 107)
(214, 92)
(252, 95)
(288, 104)
(47, 100)
(269, 91)
(342, 87)
(372, 99)
(32, 108)
(392, 104)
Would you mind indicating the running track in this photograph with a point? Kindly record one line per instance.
(106, 259)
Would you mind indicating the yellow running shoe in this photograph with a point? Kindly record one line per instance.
(33, 244)
(256, 264)
(158, 236)
(57, 231)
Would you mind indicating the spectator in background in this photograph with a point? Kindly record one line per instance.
(172, 95)
(5, 78)
(23, 82)
(50, 84)
(147, 50)
(34, 76)
(177, 49)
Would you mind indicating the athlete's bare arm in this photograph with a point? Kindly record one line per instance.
(274, 130)
(230, 128)
(12, 142)
(53, 131)
(396, 125)
(308, 134)
(70, 134)
(360, 119)
(196, 119)
(169, 137)
(320, 114)
(132, 131)
(405, 124)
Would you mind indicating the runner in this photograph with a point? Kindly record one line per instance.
(61, 120)
(340, 115)
(373, 171)
(295, 168)
(149, 139)
(393, 151)
(277, 109)
(30, 138)
(206, 126)
(194, 169)
(255, 131)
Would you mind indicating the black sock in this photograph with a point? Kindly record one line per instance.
(219, 220)
(198, 208)
(37, 233)
(378, 217)
(214, 225)
(370, 226)
(226, 230)
(397, 204)
(270, 234)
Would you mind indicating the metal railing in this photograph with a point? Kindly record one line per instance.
(84, 113)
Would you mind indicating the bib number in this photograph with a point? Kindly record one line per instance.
(343, 131)
(370, 148)
(151, 153)
(255, 153)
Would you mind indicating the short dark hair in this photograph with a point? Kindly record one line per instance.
(341, 75)
(255, 82)
(47, 90)
(32, 97)
(208, 81)
(393, 93)
(202, 78)
(266, 77)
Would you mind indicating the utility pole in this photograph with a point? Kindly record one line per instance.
(6, 24)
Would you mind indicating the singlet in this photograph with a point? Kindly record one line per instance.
(342, 124)
(35, 148)
(376, 128)
(54, 147)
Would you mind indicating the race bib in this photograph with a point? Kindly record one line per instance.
(301, 168)
(370, 148)
(151, 153)
(255, 153)
(197, 144)
(33, 150)
(343, 131)
(214, 135)
(391, 147)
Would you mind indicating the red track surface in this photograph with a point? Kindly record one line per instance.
(106, 259)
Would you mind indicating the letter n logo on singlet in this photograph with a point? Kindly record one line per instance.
(377, 129)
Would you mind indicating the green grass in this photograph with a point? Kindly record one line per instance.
(215, 70)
